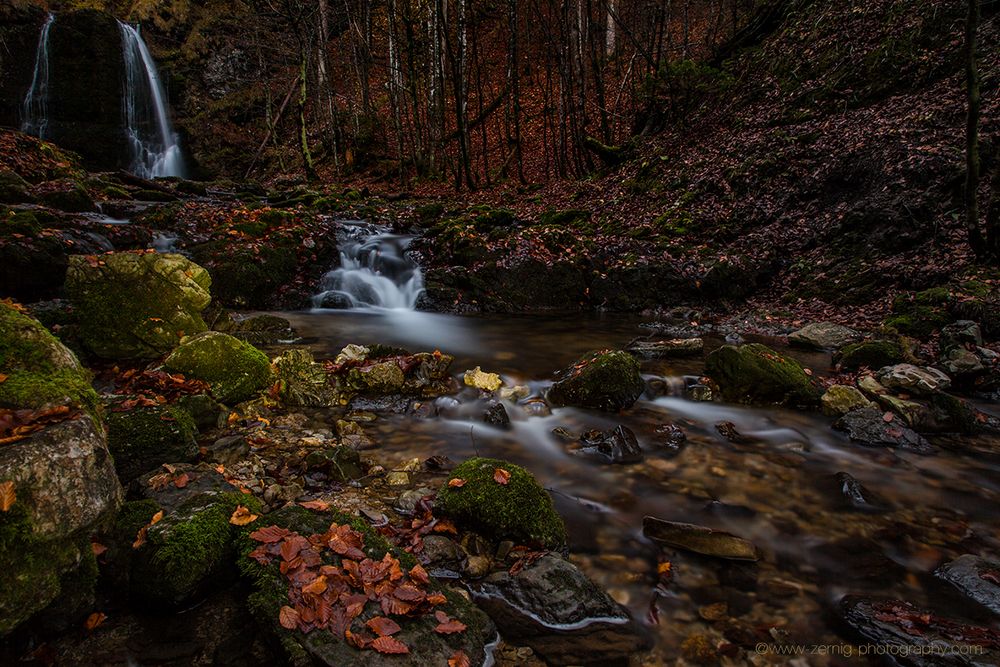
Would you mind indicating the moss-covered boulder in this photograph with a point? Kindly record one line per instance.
(385, 377)
(137, 305)
(62, 476)
(302, 382)
(65, 195)
(414, 608)
(190, 550)
(607, 380)
(143, 438)
(841, 399)
(40, 371)
(755, 373)
(13, 188)
(517, 508)
(235, 370)
(872, 354)
(921, 314)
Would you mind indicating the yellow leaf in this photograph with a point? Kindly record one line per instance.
(242, 516)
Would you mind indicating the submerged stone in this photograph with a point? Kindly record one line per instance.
(699, 539)
(667, 349)
(618, 445)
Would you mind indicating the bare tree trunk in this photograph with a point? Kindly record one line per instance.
(972, 131)
(307, 160)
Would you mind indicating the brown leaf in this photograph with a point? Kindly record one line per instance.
(447, 626)
(242, 516)
(98, 548)
(316, 586)
(270, 534)
(383, 626)
(419, 574)
(459, 660)
(318, 505)
(389, 645)
(3, 378)
(456, 481)
(7, 496)
(501, 476)
(95, 620)
(288, 617)
(182, 480)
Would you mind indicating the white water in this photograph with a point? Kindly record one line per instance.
(153, 144)
(374, 271)
(35, 113)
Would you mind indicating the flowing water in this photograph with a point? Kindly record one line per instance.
(374, 271)
(153, 145)
(35, 109)
(777, 486)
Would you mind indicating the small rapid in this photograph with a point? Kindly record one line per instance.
(374, 273)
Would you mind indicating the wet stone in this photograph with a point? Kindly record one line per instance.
(496, 415)
(699, 539)
(617, 446)
(977, 578)
(869, 427)
(857, 495)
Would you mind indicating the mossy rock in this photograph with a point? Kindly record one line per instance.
(155, 196)
(520, 510)
(235, 370)
(380, 378)
(922, 314)
(137, 306)
(321, 647)
(13, 189)
(872, 354)
(341, 464)
(68, 196)
(755, 373)
(249, 278)
(204, 410)
(302, 381)
(607, 380)
(41, 371)
(143, 438)
(24, 223)
(190, 550)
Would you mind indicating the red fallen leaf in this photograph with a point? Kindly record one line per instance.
(459, 660)
(456, 482)
(409, 593)
(270, 534)
(888, 417)
(501, 476)
(419, 574)
(383, 626)
(319, 505)
(182, 480)
(447, 626)
(95, 620)
(390, 646)
(288, 617)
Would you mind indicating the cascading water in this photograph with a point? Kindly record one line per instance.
(35, 113)
(374, 272)
(153, 144)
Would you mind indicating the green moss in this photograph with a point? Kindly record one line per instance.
(520, 510)
(870, 354)
(235, 369)
(143, 438)
(922, 314)
(131, 517)
(573, 218)
(21, 222)
(606, 380)
(755, 373)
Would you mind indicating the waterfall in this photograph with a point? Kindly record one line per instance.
(35, 116)
(153, 145)
(374, 272)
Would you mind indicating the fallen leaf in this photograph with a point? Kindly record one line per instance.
(389, 645)
(459, 660)
(288, 617)
(318, 505)
(887, 417)
(270, 534)
(383, 626)
(3, 378)
(501, 476)
(182, 480)
(242, 516)
(446, 625)
(98, 548)
(316, 586)
(7, 496)
(456, 482)
(95, 620)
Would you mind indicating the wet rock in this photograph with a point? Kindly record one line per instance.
(340, 464)
(667, 349)
(868, 426)
(914, 414)
(871, 387)
(926, 640)
(65, 195)
(515, 507)
(228, 450)
(336, 301)
(754, 373)
(563, 616)
(353, 435)
(205, 410)
(728, 431)
(841, 399)
(137, 306)
(481, 380)
(959, 334)
(302, 382)
(143, 438)
(670, 437)
(608, 381)
(515, 393)
(961, 364)
(263, 330)
(496, 415)
(13, 188)
(442, 556)
(870, 354)
(699, 539)
(536, 407)
(235, 370)
(977, 578)
(857, 494)
(913, 379)
(616, 446)
(823, 336)
(400, 476)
